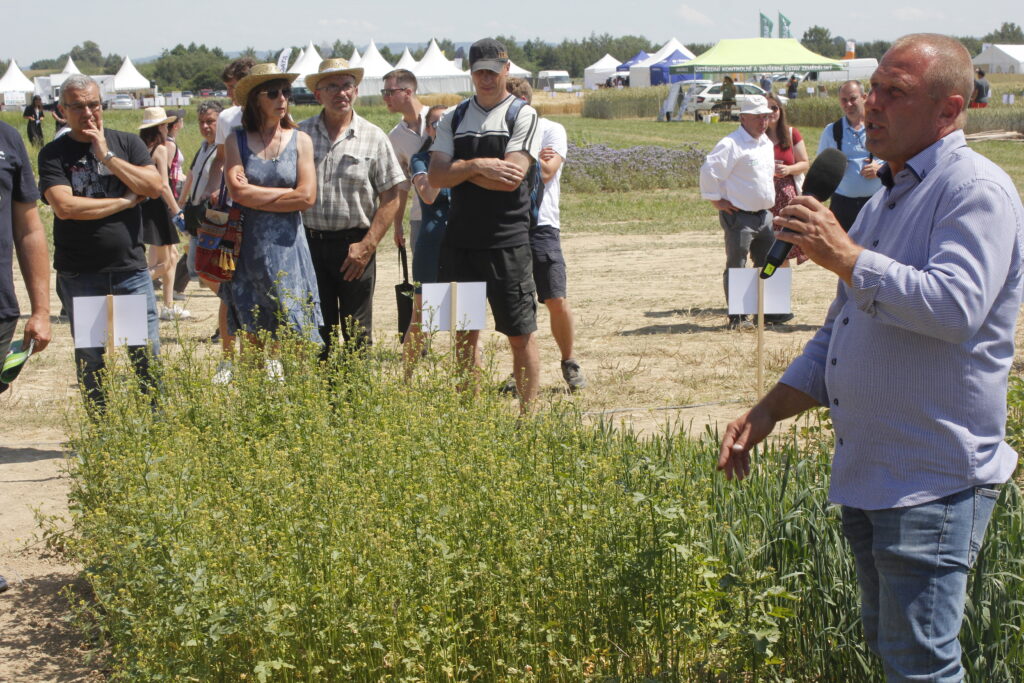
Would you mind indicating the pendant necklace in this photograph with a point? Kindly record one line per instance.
(266, 145)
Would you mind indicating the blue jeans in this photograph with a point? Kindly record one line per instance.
(89, 362)
(912, 566)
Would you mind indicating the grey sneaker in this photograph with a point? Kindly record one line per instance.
(508, 387)
(740, 322)
(573, 375)
(224, 373)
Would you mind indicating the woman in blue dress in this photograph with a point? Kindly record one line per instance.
(269, 171)
(434, 204)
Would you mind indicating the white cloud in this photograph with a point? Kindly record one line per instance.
(693, 16)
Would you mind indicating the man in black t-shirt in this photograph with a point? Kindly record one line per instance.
(487, 239)
(94, 179)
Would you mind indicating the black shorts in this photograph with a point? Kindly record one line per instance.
(508, 273)
(548, 262)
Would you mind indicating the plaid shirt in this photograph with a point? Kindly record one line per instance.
(350, 173)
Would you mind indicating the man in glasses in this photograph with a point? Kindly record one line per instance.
(489, 163)
(848, 136)
(94, 179)
(407, 137)
(357, 175)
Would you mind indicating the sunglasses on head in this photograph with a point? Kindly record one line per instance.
(277, 92)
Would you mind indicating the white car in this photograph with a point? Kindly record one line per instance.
(122, 102)
(710, 95)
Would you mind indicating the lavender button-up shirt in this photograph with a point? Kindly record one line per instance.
(914, 356)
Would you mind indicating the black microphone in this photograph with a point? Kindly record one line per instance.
(822, 180)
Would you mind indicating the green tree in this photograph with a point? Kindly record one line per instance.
(819, 39)
(1007, 34)
(341, 49)
(972, 44)
(188, 68)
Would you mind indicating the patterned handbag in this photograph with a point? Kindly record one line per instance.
(219, 238)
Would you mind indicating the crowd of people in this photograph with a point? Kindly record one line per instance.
(925, 236)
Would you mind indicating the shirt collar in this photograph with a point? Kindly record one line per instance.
(745, 136)
(350, 132)
(922, 163)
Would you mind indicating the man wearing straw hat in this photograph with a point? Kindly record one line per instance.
(94, 179)
(357, 175)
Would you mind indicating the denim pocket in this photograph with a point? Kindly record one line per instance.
(984, 503)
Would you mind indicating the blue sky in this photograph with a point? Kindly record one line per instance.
(36, 30)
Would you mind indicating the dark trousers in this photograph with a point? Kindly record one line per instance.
(7, 328)
(846, 209)
(343, 303)
(747, 233)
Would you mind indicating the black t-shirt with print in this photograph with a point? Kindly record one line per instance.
(111, 244)
(16, 185)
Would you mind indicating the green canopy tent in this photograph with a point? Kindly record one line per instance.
(757, 55)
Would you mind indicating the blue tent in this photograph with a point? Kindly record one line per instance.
(660, 71)
(635, 59)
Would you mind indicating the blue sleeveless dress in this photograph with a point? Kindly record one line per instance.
(274, 282)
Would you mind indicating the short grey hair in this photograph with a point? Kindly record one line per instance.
(206, 106)
(76, 82)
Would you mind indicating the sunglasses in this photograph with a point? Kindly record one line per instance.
(774, 108)
(435, 124)
(277, 92)
(388, 92)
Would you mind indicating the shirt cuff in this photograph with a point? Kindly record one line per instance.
(711, 197)
(805, 375)
(866, 279)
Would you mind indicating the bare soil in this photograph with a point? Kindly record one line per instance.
(651, 338)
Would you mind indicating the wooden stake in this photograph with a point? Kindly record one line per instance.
(760, 338)
(453, 317)
(110, 323)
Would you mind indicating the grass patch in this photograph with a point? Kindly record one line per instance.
(625, 103)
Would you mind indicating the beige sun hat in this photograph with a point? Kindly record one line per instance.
(337, 66)
(258, 75)
(154, 116)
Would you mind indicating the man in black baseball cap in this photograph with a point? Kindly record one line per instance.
(486, 150)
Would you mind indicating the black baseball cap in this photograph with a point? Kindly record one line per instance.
(487, 54)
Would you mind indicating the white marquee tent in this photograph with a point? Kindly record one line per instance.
(516, 71)
(374, 68)
(14, 81)
(1001, 59)
(307, 63)
(406, 61)
(355, 58)
(640, 74)
(599, 71)
(128, 78)
(70, 67)
(436, 73)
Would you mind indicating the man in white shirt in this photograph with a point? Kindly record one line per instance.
(407, 138)
(737, 179)
(546, 241)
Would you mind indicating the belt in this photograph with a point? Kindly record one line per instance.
(752, 213)
(344, 233)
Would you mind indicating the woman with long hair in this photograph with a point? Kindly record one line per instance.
(791, 161)
(158, 229)
(34, 114)
(434, 205)
(270, 173)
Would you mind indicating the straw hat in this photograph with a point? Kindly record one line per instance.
(154, 116)
(258, 75)
(337, 66)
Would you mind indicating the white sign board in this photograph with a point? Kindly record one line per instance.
(14, 98)
(131, 322)
(743, 291)
(470, 306)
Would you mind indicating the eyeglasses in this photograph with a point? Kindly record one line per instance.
(435, 124)
(388, 92)
(80, 107)
(333, 89)
(277, 92)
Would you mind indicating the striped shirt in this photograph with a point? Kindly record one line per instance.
(914, 357)
(351, 172)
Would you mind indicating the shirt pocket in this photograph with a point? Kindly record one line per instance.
(351, 169)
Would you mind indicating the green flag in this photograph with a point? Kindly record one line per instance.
(766, 26)
(784, 31)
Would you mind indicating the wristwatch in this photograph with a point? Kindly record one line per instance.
(107, 157)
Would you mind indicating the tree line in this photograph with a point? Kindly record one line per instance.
(194, 67)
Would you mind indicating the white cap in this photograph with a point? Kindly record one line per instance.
(754, 104)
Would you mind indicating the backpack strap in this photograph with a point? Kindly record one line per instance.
(837, 133)
(458, 115)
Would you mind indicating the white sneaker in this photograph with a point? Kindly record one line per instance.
(174, 313)
(224, 373)
(275, 371)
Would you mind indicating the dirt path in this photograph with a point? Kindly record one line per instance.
(650, 327)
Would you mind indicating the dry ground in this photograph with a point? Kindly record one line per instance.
(650, 326)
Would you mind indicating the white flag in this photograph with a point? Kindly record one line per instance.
(282, 59)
